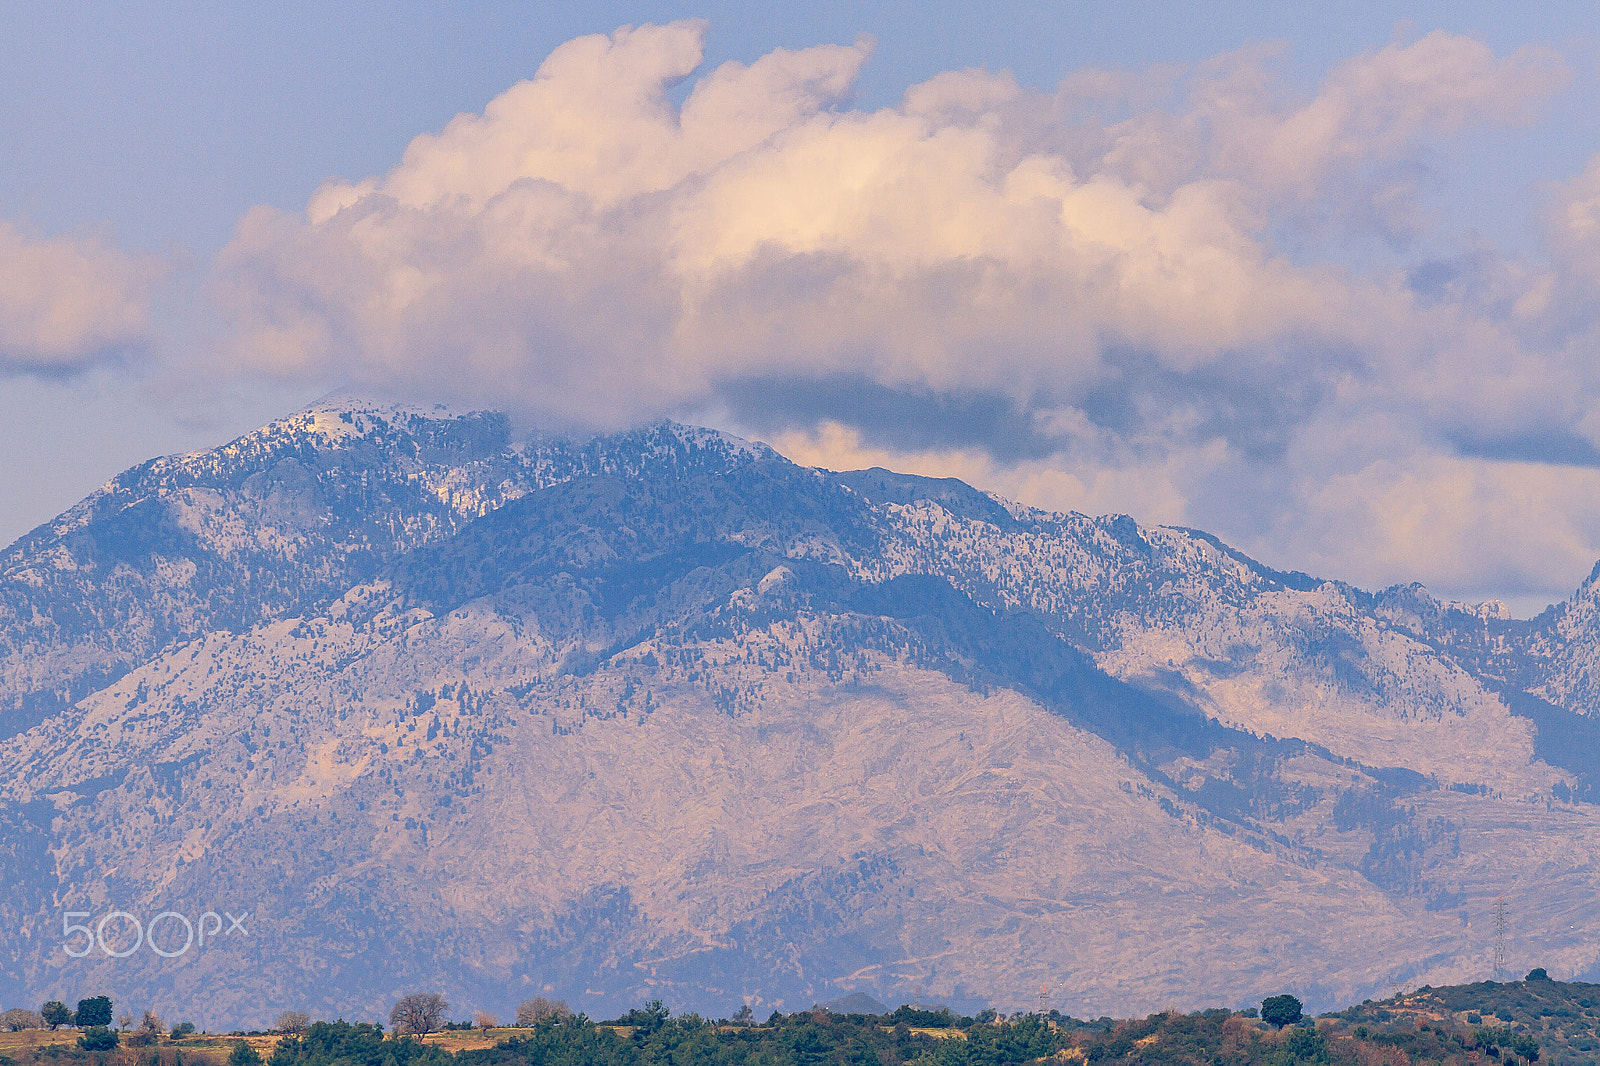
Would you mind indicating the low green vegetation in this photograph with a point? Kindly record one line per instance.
(359, 1044)
(1561, 1017)
(98, 1038)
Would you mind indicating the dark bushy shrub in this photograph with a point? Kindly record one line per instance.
(920, 1018)
(344, 1044)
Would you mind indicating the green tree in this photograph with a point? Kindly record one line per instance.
(94, 1012)
(55, 1014)
(98, 1038)
(864, 1054)
(807, 1046)
(1306, 1045)
(243, 1055)
(1508, 1038)
(1281, 1010)
(648, 1021)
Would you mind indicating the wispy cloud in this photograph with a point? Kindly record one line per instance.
(1084, 297)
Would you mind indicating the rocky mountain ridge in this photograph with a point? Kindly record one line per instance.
(663, 713)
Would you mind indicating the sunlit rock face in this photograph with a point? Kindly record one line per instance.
(376, 699)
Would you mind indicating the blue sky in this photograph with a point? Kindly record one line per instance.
(167, 121)
(1453, 444)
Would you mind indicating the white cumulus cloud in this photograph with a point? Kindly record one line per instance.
(1081, 295)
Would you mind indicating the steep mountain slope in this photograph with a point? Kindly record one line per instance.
(279, 522)
(663, 713)
(1279, 653)
(275, 524)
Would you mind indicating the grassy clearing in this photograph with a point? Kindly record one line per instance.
(10, 1043)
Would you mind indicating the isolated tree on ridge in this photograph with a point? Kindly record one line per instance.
(531, 1012)
(418, 1013)
(20, 1018)
(1281, 1010)
(93, 1011)
(150, 1029)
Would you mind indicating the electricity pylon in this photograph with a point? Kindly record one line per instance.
(1500, 938)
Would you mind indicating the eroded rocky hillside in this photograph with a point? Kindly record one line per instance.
(663, 714)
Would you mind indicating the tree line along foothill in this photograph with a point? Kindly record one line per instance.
(1434, 1025)
(910, 1036)
(93, 1019)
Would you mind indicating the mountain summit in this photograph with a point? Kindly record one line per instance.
(662, 714)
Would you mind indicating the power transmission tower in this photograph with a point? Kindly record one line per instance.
(1500, 938)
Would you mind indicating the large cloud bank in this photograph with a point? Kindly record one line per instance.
(1108, 296)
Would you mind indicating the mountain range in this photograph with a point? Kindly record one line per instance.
(382, 698)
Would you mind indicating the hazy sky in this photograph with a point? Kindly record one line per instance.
(1316, 280)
